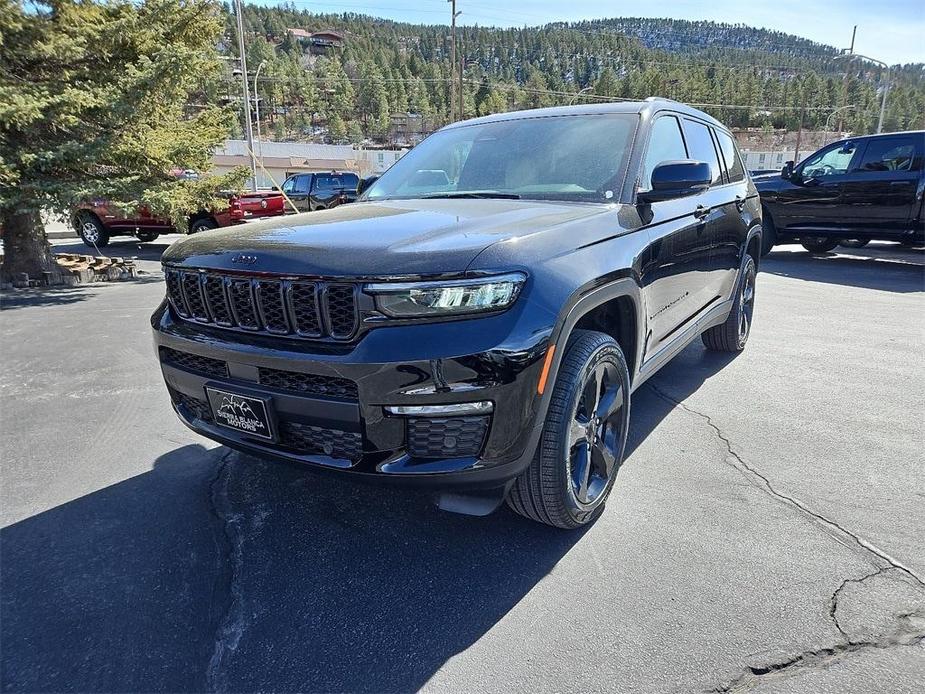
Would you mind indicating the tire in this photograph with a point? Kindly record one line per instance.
(819, 244)
(146, 236)
(91, 231)
(732, 335)
(202, 224)
(854, 243)
(768, 232)
(552, 490)
(912, 243)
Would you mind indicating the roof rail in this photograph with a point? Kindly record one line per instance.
(660, 98)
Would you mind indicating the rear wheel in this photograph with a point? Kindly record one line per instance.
(91, 231)
(818, 244)
(732, 335)
(146, 236)
(202, 224)
(583, 439)
(854, 243)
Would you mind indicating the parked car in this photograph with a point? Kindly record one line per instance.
(858, 189)
(97, 221)
(478, 333)
(321, 191)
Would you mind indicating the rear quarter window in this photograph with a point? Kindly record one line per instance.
(731, 158)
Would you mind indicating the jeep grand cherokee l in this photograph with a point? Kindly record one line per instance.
(477, 332)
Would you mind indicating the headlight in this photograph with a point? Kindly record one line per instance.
(415, 299)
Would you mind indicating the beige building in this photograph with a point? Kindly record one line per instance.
(281, 159)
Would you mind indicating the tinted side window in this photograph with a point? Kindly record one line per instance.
(831, 162)
(665, 144)
(336, 182)
(700, 145)
(302, 184)
(734, 167)
(891, 154)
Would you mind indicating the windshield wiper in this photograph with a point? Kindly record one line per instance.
(474, 194)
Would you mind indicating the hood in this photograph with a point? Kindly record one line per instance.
(375, 239)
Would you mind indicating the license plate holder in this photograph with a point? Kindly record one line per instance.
(251, 415)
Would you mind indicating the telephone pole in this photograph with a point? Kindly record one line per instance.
(453, 15)
(248, 128)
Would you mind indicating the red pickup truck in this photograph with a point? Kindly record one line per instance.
(97, 221)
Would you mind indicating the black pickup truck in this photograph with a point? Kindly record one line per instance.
(478, 332)
(321, 191)
(860, 189)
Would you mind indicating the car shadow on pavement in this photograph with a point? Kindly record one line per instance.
(887, 268)
(218, 571)
(62, 296)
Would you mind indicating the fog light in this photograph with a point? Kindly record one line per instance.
(459, 408)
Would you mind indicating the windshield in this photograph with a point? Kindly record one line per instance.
(581, 158)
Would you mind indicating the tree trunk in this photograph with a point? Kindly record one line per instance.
(25, 247)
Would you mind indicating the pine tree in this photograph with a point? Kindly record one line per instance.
(95, 102)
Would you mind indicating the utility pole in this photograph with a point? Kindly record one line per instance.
(453, 15)
(248, 128)
(462, 68)
(844, 96)
(796, 152)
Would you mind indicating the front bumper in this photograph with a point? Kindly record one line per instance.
(329, 400)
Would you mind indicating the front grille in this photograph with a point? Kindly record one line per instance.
(193, 362)
(308, 383)
(334, 443)
(446, 437)
(279, 307)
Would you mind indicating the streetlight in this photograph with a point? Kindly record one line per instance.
(575, 98)
(828, 121)
(848, 54)
(258, 142)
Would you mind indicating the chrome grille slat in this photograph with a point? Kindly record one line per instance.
(295, 308)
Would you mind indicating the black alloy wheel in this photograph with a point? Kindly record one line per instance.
(584, 436)
(731, 335)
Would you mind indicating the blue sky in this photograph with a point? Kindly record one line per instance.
(889, 30)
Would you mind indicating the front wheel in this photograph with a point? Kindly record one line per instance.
(91, 231)
(583, 439)
(819, 244)
(146, 236)
(768, 232)
(732, 335)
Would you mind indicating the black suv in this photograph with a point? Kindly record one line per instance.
(860, 189)
(477, 332)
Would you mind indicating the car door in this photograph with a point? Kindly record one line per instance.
(298, 188)
(676, 267)
(812, 200)
(880, 192)
(732, 227)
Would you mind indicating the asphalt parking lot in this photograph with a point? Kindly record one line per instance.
(765, 533)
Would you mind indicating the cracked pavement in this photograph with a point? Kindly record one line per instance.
(764, 534)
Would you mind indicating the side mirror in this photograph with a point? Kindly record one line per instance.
(366, 183)
(787, 171)
(276, 188)
(677, 179)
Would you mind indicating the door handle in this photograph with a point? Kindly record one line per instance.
(700, 212)
(740, 203)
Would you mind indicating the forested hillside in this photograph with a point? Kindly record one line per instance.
(746, 77)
